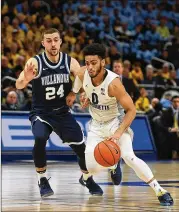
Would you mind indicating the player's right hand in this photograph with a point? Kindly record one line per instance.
(84, 101)
(70, 98)
(29, 72)
(115, 137)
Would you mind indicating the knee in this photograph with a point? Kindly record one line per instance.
(129, 159)
(41, 138)
(92, 166)
(79, 150)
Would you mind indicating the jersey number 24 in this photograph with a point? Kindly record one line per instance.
(51, 92)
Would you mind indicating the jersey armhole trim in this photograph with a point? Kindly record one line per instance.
(66, 63)
(39, 66)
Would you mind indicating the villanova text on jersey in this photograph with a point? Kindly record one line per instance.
(52, 83)
(55, 79)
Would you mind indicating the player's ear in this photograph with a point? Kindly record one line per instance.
(42, 43)
(60, 41)
(103, 62)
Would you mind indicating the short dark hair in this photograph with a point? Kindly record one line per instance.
(175, 97)
(49, 31)
(95, 49)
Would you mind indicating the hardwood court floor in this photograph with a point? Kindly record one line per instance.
(20, 191)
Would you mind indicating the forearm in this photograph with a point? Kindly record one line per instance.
(77, 85)
(21, 83)
(126, 122)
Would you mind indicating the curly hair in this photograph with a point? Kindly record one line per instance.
(95, 49)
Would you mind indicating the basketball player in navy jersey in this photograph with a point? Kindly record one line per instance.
(107, 97)
(51, 85)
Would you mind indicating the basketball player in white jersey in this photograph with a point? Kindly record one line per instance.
(105, 94)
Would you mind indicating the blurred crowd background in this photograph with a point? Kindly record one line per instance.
(141, 38)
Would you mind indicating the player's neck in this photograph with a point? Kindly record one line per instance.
(99, 79)
(53, 59)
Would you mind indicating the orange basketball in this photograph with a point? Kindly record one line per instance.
(107, 153)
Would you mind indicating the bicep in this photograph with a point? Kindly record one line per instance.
(74, 66)
(76, 70)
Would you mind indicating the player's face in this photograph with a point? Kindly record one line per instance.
(52, 43)
(94, 65)
(118, 68)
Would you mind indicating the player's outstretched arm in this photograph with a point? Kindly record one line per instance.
(77, 72)
(28, 74)
(116, 89)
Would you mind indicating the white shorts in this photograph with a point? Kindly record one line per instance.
(99, 132)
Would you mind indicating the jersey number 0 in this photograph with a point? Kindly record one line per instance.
(95, 98)
(51, 92)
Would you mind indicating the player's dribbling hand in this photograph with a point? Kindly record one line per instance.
(84, 101)
(29, 72)
(70, 98)
(115, 137)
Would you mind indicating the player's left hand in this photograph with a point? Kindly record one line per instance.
(70, 98)
(114, 137)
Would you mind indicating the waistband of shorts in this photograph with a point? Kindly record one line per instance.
(103, 122)
(47, 110)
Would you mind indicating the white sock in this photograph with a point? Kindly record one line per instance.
(157, 188)
(40, 175)
(86, 176)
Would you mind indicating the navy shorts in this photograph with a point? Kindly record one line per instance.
(63, 124)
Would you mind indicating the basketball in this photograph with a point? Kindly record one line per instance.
(107, 153)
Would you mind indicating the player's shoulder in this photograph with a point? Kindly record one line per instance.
(111, 73)
(112, 77)
(73, 60)
(113, 80)
(74, 66)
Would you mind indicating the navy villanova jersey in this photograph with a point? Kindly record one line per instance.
(52, 84)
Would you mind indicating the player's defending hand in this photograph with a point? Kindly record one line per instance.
(70, 98)
(84, 101)
(29, 72)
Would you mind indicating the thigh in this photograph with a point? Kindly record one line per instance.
(92, 140)
(40, 129)
(69, 130)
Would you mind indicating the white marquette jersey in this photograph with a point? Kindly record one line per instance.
(102, 108)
